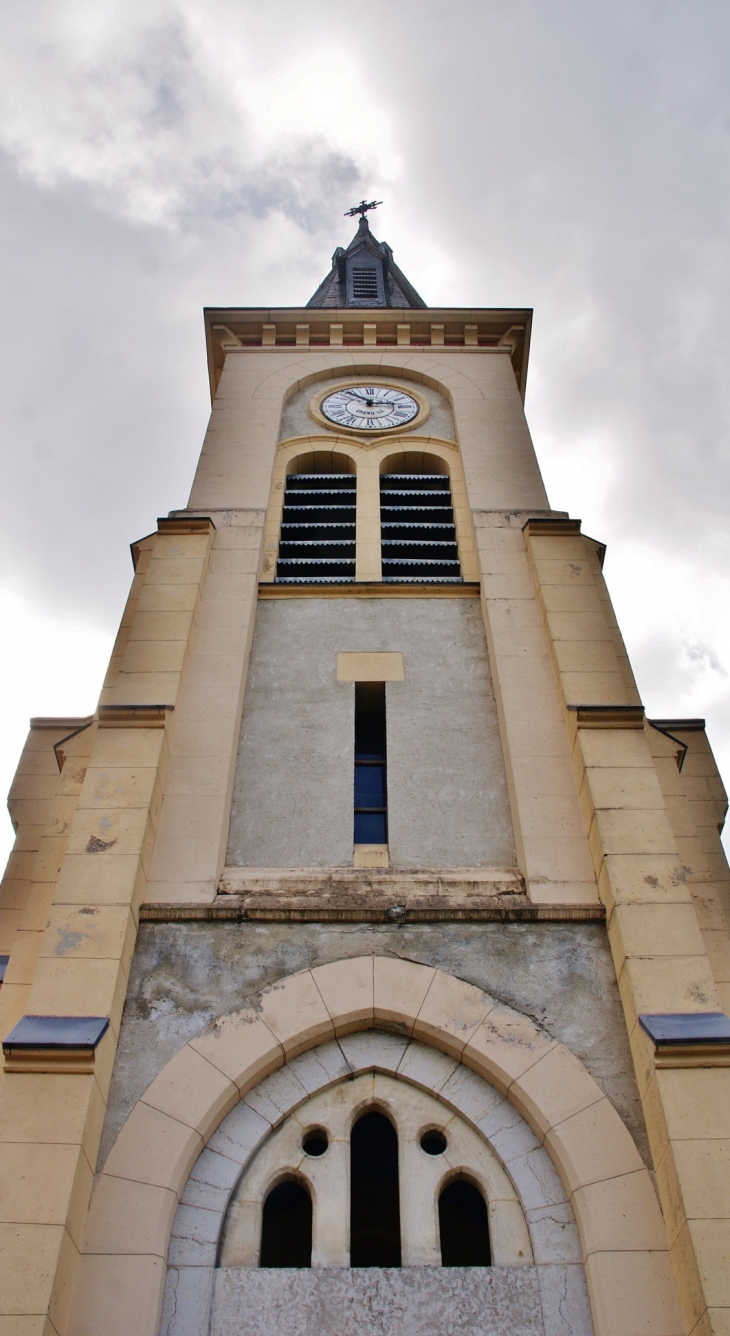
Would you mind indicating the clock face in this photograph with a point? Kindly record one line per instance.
(369, 408)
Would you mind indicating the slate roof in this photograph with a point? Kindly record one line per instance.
(398, 292)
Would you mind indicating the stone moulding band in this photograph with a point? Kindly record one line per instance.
(367, 590)
(185, 524)
(689, 1039)
(542, 526)
(134, 716)
(263, 909)
(54, 1043)
(608, 716)
(374, 895)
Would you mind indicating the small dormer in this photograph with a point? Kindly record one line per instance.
(364, 275)
(364, 280)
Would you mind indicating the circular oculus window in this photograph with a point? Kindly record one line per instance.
(370, 408)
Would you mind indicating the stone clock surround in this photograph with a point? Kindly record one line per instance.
(320, 398)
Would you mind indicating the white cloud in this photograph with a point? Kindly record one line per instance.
(167, 115)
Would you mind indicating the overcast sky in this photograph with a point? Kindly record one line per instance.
(160, 155)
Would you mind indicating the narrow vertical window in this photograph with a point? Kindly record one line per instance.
(463, 1226)
(371, 800)
(374, 1196)
(286, 1229)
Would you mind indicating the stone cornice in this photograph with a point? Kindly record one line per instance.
(429, 330)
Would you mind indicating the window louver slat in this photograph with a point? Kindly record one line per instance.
(418, 534)
(317, 541)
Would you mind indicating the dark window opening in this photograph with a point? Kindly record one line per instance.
(371, 786)
(286, 1230)
(463, 1226)
(317, 543)
(418, 533)
(315, 1142)
(433, 1142)
(364, 282)
(374, 1195)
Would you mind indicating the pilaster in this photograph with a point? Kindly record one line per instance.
(49, 1130)
(549, 831)
(658, 949)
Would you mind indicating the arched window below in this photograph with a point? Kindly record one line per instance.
(463, 1226)
(286, 1229)
(374, 1195)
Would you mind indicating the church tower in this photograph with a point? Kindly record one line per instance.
(366, 953)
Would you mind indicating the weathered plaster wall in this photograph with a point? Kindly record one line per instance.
(416, 1301)
(447, 792)
(184, 976)
(296, 419)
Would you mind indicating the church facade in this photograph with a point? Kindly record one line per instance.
(366, 954)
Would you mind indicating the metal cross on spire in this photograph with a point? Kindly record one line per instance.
(362, 208)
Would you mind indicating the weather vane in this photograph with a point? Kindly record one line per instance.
(362, 208)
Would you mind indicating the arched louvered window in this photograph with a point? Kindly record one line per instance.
(286, 1228)
(374, 1194)
(463, 1225)
(418, 533)
(317, 541)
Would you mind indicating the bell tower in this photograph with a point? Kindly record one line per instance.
(366, 952)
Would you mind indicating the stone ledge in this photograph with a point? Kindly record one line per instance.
(134, 716)
(372, 895)
(392, 882)
(689, 1039)
(366, 590)
(185, 524)
(264, 908)
(54, 1043)
(541, 526)
(608, 716)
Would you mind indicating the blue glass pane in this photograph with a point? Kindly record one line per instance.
(369, 786)
(370, 828)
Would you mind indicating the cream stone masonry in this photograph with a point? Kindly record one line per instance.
(622, 1244)
(189, 852)
(500, 332)
(499, 462)
(370, 667)
(696, 804)
(88, 939)
(658, 948)
(25, 902)
(549, 832)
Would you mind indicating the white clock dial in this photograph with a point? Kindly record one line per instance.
(369, 408)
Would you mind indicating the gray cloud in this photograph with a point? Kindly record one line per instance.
(166, 155)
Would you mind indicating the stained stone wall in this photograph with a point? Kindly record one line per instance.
(185, 975)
